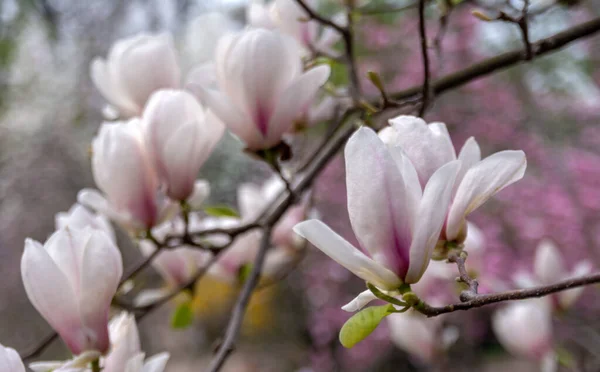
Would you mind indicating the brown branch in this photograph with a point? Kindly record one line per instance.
(239, 310)
(426, 91)
(502, 61)
(322, 20)
(519, 294)
(459, 259)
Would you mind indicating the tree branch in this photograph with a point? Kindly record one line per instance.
(502, 61)
(519, 294)
(425, 92)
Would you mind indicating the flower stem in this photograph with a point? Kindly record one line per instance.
(96, 365)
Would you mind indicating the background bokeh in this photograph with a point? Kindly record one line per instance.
(550, 108)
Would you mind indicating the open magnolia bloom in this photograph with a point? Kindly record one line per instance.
(125, 353)
(429, 147)
(78, 217)
(259, 14)
(71, 281)
(135, 68)
(262, 87)
(396, 222)
(524, 328)
(423, 337)
(123, 170)
(180, 136)
(10, 361)
(549, 268)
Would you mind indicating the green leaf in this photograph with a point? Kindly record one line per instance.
(183, 316)
(244, 272)
(221, 211)
(361, 324)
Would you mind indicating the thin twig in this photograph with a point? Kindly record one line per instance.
(322, 20)
(491, 65)
(459, 259)
(426, 91)
(239, 310)
(519, 294)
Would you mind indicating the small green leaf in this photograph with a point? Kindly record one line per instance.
(183, 316)
(244, 272)
(221, 211)
(361, 324)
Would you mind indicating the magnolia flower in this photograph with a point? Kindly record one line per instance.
(395, 221)
(123, 170)
(78, 217)
(292, 19)
(524, 328)
(180, 136)
(10, 361)
(177, 266)
(263, 88)
(71, 281)
(125, 354)
(429, 147)
(135, 68)
(549, 268)
(421, 336)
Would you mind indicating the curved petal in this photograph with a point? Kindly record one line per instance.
(199, 195)
(430, 219)
(296, 100)
(10, 361)
(101, 271)
(50, 292)
(379, 209)
(568, 298)
(156, 363)
(427, 146)
(101, 77)
(470, 154)
(360, 301)
(480, 183)
(548, 264)
(336, 247)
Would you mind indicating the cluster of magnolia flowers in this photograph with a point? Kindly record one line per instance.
(145, 161)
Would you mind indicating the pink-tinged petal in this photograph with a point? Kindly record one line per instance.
(480, 183)
(50, 292)
(237, 122)
(344, 253)
(548, 264)
(414, 191)
(363, 299)
(202, 76)
(430, 219)
(416, 334)
(470, 154)
(101, 77)
(427, 146)
(296, 100)
(101, 271)
(378, 205)
(10, 361)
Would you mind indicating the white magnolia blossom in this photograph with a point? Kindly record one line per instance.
(123, 170)
(429, 147)
(262, 87)
(524, 328)
(180, 136)
(125, 353)
(177, 266)
(396, 222)
(549, 268)
(71, 281)
(78, 217)
(421, 336)
(10, 361)
(135, 68)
